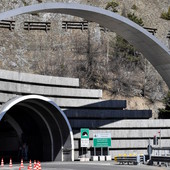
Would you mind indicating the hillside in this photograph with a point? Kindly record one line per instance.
(88, 54)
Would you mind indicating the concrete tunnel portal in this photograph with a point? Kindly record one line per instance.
(36, 123)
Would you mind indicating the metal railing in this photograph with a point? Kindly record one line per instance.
(37, 26)
(151, 30)
(82, 25)
(7, 24)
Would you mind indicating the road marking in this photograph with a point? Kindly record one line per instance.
(85, 163)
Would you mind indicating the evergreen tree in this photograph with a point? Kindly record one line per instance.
(122, 46)
(165, 113)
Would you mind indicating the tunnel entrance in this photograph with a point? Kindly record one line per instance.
(32, 128)
(9, 141)
(26, 143)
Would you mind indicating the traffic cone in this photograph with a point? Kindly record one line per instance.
(10, 162)
(34, 168)
(39, 166)
(22, 165)
(19, 168)
(30, 165)
(2, 162)
(28, 168)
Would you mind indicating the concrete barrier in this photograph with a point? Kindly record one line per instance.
(94, 158)
(101, 158)
(108, 158)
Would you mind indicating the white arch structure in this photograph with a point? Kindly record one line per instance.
(157, 53)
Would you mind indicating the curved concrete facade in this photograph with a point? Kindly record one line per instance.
(57, 133)
(152, 48)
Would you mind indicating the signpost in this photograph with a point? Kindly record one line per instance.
(101, 140)
(84, 138)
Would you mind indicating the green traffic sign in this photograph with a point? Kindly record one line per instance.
(84, 133)
(101, 140)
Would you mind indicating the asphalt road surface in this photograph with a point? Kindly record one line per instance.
(88, 166)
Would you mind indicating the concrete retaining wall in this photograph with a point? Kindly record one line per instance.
(128, 136)
(38, 79)
(49, 90)
(65, 103)
(130, 130)
(109, 114)
(128, 133)
(128, 144)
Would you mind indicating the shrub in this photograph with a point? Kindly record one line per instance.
(40, 1)
(134, 7)
(135, 19)
(112, 6)
(166, 15)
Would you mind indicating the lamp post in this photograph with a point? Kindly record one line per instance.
(160, 140)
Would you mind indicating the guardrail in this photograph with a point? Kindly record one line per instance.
(37, 26)
(82, 25)
(151, 30)
(160, 158)
(7, 24)
(131, 159)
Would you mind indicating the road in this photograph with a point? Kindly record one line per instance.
(88, 166)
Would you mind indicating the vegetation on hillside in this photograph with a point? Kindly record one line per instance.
(100, 59)
(112, 65)
(134, 7)
(112, 6)
(122, 46)
(135, 19)
(132, 62)
(166, 15)
(165, 113)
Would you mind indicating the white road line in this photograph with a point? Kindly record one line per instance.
(86, 163)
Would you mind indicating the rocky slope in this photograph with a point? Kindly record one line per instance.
(87, 54)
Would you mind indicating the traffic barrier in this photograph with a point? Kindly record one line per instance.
(131, 158)
(2, 162)
(10, 162)
(22, 164)
(163, 159)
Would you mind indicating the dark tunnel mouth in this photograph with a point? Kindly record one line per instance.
(40, 126)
